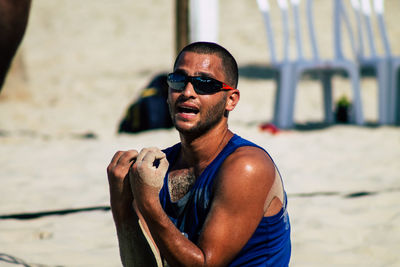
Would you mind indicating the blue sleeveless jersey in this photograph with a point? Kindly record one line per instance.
(269, 245)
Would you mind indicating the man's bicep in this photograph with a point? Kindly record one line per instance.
(236, 210)
(224, 234)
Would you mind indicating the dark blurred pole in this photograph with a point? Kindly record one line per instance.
(181, 24)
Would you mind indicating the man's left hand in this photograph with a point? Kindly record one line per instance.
(148, 172)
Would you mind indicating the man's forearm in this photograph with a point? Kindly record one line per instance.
(147, 179)
(174, 246)
(124, 223)
(135, 249)
(126, 235)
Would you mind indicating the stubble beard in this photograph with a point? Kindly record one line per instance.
(212, 117)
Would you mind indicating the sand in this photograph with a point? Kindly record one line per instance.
(83, 62)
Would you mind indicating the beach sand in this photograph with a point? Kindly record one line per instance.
(83, 62)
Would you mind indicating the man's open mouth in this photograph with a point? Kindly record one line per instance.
(186, 109)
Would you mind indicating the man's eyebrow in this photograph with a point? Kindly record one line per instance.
(196, 74)
(205, 74)
(180, 71)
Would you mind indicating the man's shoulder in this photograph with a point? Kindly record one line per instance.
(247, 155)
(252, 155)
(250, 161)
(248, 168)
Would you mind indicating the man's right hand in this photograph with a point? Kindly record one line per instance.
(121, 197)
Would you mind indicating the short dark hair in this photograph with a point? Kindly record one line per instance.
(229, 64)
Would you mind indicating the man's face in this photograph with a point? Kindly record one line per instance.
(194, 113)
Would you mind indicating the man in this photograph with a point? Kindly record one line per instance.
(214, 199)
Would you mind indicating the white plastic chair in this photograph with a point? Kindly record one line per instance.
(284, 66)
(284, 109)
(382, 64)
(328, 67)
(393, 113)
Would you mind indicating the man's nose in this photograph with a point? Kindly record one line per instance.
(189, 91)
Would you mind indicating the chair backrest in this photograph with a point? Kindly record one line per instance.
(339, 16)
(264, 7)
(365, 13)
(379, 12)
(265, 11)
(297, 28)
(284, 7)
(358, 15)
(311, 29)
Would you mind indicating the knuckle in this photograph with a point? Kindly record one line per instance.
(109, 168)
(132, 152)
(144, 150)
(115, 171)
(148, 149)
(142, 168)
(119, 173)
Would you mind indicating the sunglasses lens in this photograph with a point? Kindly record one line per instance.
(206, 85)
(176, 81)
(201, 85)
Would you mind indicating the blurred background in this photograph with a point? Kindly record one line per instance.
(82, 63)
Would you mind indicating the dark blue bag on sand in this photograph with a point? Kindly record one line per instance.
(150, 111)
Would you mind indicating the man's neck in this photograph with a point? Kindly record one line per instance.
(197, 153)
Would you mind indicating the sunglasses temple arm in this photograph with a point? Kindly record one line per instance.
(226, 87)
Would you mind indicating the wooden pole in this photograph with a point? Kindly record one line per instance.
(181, 25)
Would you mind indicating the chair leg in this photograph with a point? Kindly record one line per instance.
(383, 78)
(278, 92)
(283, 96)
(296, 74)
(396, 97)
(326, 79)
(394, 94)
(354, 75)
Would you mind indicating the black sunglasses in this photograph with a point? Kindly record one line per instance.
(201, 85)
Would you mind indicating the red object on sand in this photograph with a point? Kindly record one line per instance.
(269, 127)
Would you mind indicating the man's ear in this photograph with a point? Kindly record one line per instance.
(233, 99)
